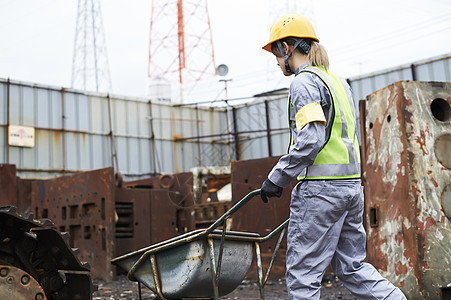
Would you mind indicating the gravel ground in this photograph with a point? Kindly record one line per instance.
(124, 289)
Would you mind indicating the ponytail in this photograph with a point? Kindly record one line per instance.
(318, 55)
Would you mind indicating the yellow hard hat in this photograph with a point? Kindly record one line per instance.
(290, 25)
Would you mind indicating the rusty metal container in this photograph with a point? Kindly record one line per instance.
(406, 150)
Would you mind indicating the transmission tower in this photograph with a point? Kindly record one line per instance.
(90, 68)
(180, 45)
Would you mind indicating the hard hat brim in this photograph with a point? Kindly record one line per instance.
(267, 47)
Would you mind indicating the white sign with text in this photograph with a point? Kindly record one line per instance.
(21, 136)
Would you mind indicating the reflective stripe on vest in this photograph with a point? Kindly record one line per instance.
(340, 156)
(289, 124)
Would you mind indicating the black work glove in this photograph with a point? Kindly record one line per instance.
(269, 189)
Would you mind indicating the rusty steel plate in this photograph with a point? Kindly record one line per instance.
(8, 185)
(405, 143)
(19, 285)
(83, 205)
(255, 216)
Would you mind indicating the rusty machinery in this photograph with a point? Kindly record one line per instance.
(103, 219)
(208, 182)
(406, 142)
(36, 261)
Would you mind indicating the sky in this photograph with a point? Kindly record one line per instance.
(361, 36)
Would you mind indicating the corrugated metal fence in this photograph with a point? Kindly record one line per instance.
(434, 69)
(76, 131)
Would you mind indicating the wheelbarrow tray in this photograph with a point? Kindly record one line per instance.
(185, 268)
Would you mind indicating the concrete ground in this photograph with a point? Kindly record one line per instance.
(124, 289)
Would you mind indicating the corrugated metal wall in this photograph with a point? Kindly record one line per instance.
(253, 120)
(75, 130)
(435, 69)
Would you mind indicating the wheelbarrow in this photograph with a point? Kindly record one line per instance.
(205, 263)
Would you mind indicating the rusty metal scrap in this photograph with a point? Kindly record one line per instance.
(103, 219)
(255, 216)
(407, 176)
(36, 261)
(83, 205)
(207, 213)
(8, 183)
(17, 284)
(153, 210)
(208, 182)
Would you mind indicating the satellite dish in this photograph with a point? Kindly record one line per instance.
(222, 70)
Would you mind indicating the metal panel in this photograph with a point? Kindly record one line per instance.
(48, 152)
(82, 205)
(76, 112)
(255, 147)
(152, 210)
(101, 152)
(280, 142)
(434, 69)
(439, 70)
(171, 204)
(407, 177)
(246, 177)
(253, 122)
(119, 116)
(3, 102)
(3, 140)
(98, 115)
(8, 185)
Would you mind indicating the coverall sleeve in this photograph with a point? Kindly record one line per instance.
(304, 89)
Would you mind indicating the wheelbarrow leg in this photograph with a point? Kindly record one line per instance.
(139, 291)
(213, 268)
(156, 276)
(259, 269)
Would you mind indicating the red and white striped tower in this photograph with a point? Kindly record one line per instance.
(180, 44)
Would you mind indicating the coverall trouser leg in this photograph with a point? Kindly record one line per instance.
(326, 227)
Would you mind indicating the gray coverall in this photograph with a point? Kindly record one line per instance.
(325, 215)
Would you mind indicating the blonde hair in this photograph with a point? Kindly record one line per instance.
(316, 57)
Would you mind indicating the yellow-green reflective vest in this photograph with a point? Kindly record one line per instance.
(340, 156)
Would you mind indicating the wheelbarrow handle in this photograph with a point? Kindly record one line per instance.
(232, 210)
(198, 235)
